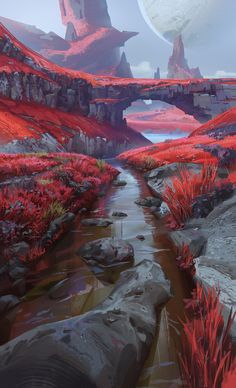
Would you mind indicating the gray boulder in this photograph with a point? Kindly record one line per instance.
(107, 252)
(19, 249)
(158, 178)
(119, 214)
(149, 202)
(57, 225)
(119, 183)
(7, 302)
(106, 347)
(99, 222)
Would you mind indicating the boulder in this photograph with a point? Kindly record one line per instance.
(107, 252)
(140, 237)
(149, 202)
(56, 226)
(99, 222)
(19, 249)
(158, 178)
(214, 239)
(119, 214)
(106, 347)
(193, 238)
(119, 183)
(7, 302)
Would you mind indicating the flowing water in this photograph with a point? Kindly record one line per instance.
(63, 286)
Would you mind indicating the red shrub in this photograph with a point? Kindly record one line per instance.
(207, 349)
(185, 188)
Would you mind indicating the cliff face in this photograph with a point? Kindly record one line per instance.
(178, 67)
(91, 43)
(46, 108)
(81, 17)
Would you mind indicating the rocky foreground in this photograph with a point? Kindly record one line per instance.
(106, 347)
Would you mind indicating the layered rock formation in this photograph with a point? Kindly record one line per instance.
(178, 67)
(91, 43)
(44, 107)
(99, 101)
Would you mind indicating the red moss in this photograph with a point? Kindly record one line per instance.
(207, 349)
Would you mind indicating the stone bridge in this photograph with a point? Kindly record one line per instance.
(24, 75)
(201, 98)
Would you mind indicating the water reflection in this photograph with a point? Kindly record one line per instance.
(65, 286)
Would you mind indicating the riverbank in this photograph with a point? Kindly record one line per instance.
(40, 196)
(63, 285)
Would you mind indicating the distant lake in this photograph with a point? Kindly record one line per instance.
(161, 137)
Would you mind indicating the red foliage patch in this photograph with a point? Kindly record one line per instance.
(186, 260)
(207, 349)
(184, 188)
(23, 119)
(222, 120)
(185, 150)
(60, 183)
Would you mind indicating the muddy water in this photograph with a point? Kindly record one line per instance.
(63, 286)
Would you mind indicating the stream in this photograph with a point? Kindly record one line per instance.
(62, 286)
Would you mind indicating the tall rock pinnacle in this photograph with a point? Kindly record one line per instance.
(91, 43)
(178, 66)
(79, 14)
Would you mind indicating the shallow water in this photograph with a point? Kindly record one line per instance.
(65, 287)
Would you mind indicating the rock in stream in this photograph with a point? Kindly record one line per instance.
(104, 348)
(107, 252)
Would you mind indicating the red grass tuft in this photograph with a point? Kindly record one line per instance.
(185, 188)
(230, 378)
(186, 260)
(207, 349)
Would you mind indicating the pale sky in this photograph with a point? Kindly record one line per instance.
(145, 52)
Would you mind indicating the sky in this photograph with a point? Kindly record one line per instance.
(147, 51)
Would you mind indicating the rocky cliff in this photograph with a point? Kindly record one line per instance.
(91, 43)
(25, 76)
(178, 67)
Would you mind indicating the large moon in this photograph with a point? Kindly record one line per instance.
(196, 20)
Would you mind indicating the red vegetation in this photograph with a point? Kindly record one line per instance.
(225, 119)
(186, 260)
(60, 183)
(230, 378)
(184, 188)
(162, 120)
(22, 119)
(186, 150)
(207, 349)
